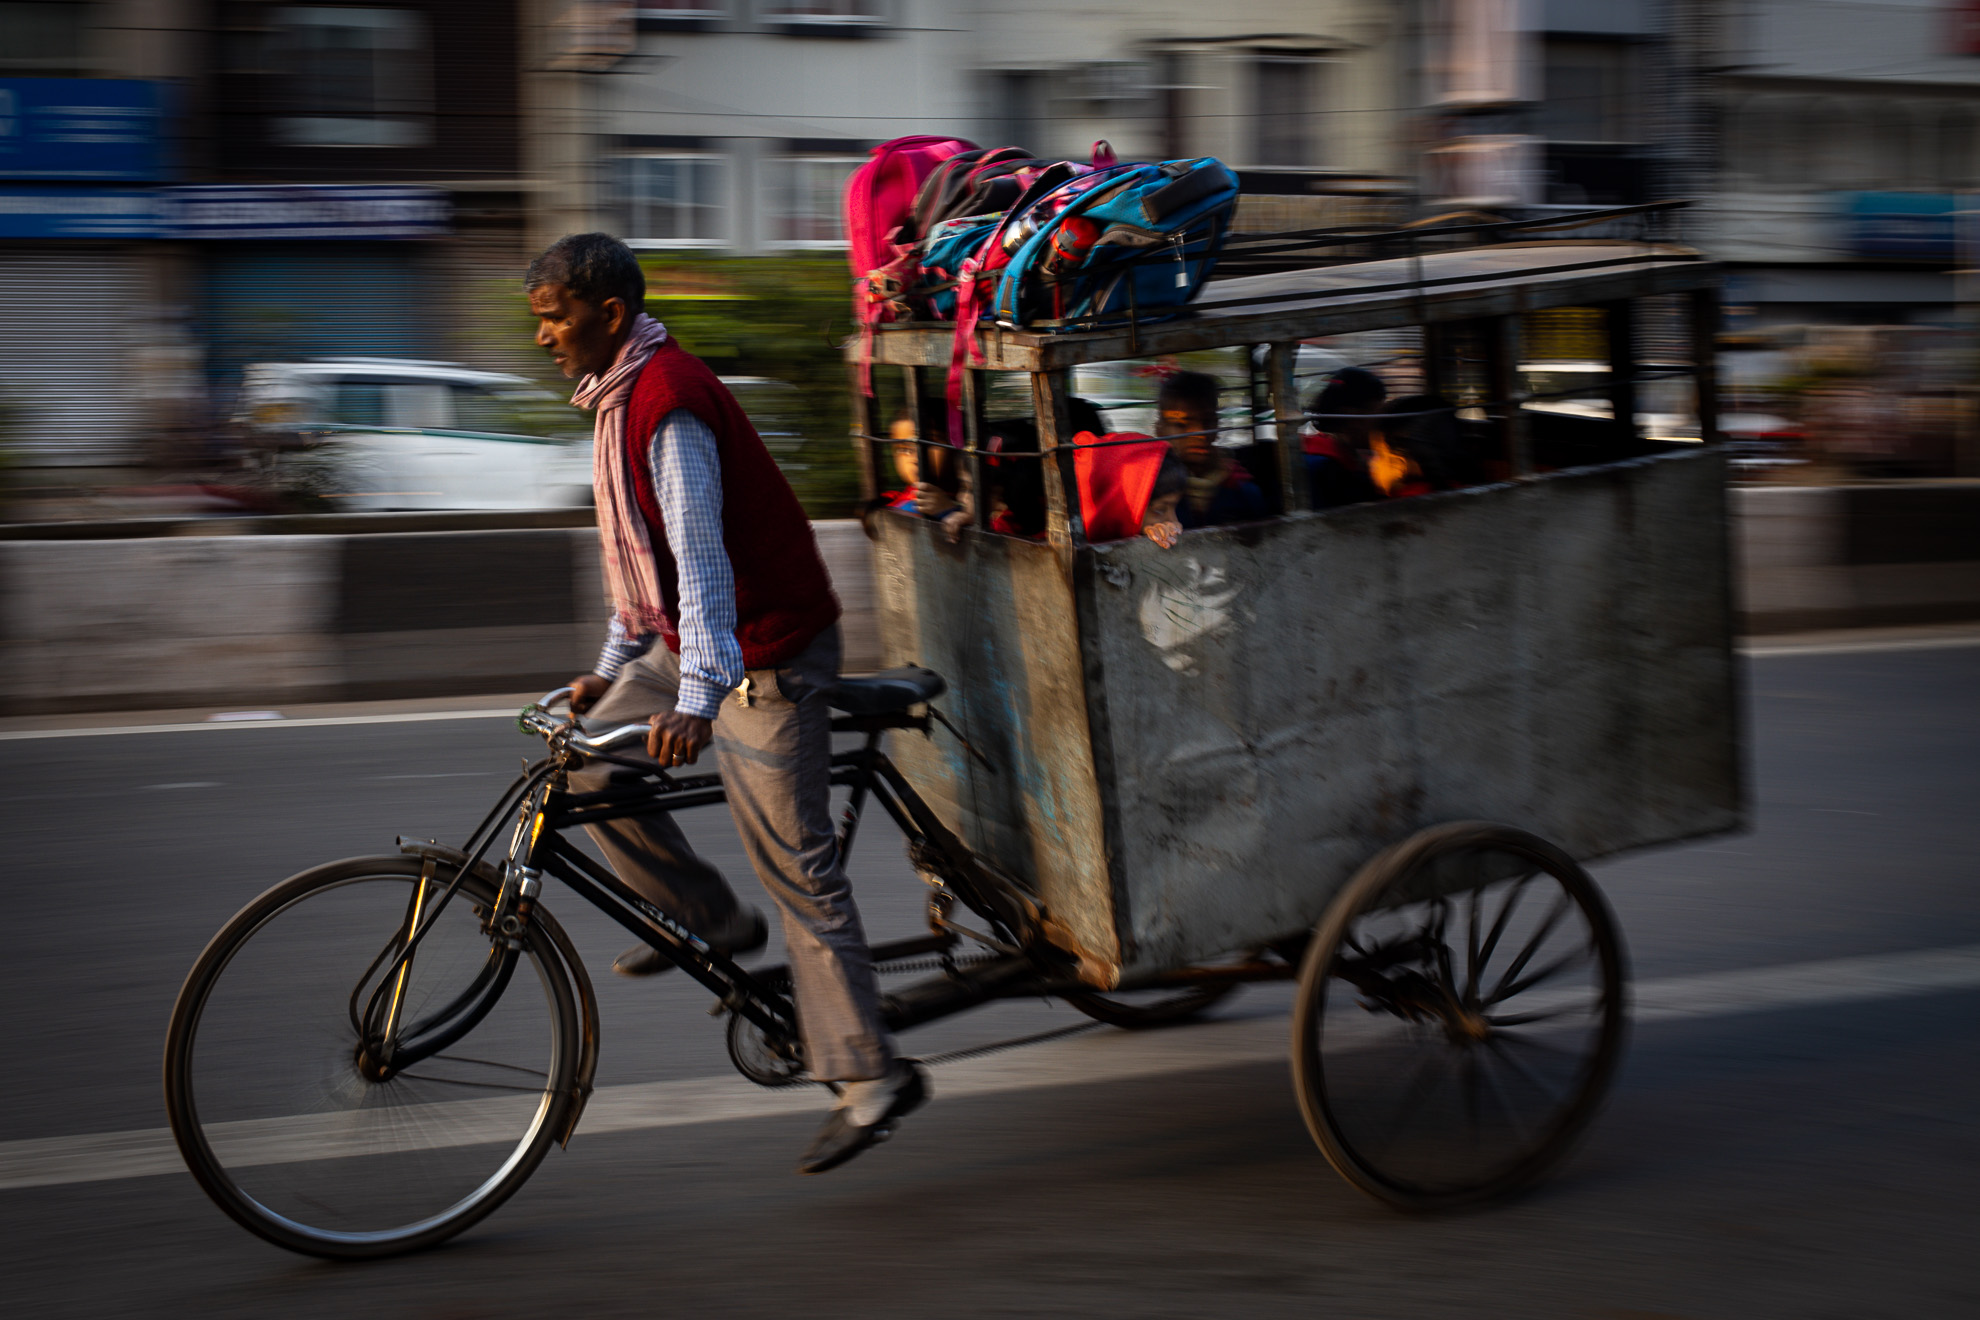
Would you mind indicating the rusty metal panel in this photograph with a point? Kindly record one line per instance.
(1280, 701)
(1195, 748)
(995, 616)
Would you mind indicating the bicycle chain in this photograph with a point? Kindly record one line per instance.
(936, 964)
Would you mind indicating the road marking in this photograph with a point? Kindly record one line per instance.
(1843, 646)
(1097, 1057)
(236, 726)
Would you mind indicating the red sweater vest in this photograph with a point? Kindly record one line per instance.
(783, 594)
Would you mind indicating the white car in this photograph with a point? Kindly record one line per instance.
(371, 434)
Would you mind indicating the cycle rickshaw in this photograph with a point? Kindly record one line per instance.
(1366, 749)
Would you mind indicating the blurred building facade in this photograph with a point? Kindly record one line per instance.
(732, 124)
(1827, 145)
(1847, 138)
(94, 339)
(190, 185)
(1563, 103)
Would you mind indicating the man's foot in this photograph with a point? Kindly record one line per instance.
(744, 932)
(867, 1115)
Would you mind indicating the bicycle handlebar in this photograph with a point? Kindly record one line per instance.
(536, 718)
(626, 735)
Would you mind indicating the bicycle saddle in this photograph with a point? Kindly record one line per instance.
(888, 691)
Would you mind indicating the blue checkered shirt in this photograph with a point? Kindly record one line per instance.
(687, 476)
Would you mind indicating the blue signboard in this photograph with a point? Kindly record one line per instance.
(294, 211)
(56, 211)
(1913, 226)
(81, 130)
(305, 211)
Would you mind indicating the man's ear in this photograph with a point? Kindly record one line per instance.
(617, 315)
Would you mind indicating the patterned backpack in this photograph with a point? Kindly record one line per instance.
(879, 203)
(1144, 242)
(1083, 251)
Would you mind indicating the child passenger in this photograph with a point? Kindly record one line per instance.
(934, 494)
(907, 461)
(1337, 447)
(1216, 488)
(1415, 448)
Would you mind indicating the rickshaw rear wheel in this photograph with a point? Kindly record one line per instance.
(1155, 1008)
(1461, 1012)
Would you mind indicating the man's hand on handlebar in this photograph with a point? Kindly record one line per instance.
(677, 739)
(586, 689)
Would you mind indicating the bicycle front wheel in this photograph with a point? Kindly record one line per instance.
(285, 1116)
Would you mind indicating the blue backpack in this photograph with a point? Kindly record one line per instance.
(1143, 240)
(940, 258)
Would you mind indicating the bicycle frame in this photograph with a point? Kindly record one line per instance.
(545, 808)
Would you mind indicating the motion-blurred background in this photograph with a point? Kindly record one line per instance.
(212, 210)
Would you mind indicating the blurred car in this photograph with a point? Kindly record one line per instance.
(370, 434)
(1756, 441)
(1664, 409)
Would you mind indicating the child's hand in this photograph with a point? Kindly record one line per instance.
(953, 523)
(932, 500)
(1163, 534)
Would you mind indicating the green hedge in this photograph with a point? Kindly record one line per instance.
(780, 317)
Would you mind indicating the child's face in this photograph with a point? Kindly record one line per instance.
(1191, 432)
(907, 462)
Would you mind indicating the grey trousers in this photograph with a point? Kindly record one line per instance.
(773, 747)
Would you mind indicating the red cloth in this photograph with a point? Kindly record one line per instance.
(1115, 483)
(1324, 443)
(1001, 521)
(783, 594)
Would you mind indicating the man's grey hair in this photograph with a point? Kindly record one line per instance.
(593, 267)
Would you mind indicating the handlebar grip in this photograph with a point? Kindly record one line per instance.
(626, 735)
(551, 698)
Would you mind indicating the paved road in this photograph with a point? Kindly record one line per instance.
(1782, 1143)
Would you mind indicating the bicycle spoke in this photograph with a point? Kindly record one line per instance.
(1499, 923)
(1539, 937)
(1469, 1088)
(1559, 964)
(1505, 1105)
(1526, 1074)
(1542, 1015)
(1471, 946)
(486, 1086)
(1528, 1042)
(1441, 951)
(1426, 1066)
(489, 1063)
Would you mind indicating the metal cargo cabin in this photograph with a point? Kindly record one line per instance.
(1189, 751)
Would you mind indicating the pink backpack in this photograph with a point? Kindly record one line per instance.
(879, 200)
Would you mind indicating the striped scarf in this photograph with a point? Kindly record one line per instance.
(625, 549)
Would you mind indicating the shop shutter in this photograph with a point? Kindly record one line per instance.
(67, 319)
(288, 302)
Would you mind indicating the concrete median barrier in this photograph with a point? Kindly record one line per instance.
(196, 620)
(1815, 557)
(365, 607)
